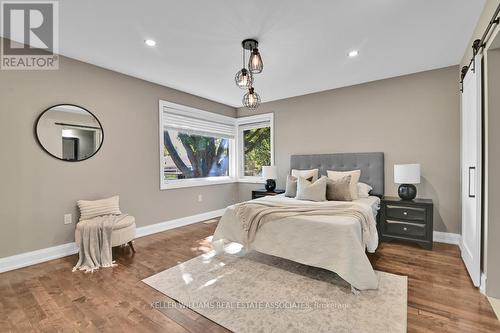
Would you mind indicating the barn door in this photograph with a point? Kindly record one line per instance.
(471, 171)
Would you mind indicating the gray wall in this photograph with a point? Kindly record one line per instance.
(36, 189)
(413, 118)
(492, 214)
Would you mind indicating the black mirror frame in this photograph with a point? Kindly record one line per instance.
(61, 159)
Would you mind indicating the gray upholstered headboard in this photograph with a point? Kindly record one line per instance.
(370, 164)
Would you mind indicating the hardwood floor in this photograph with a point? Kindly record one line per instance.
(49, 297)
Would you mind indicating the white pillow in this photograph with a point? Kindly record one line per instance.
(90, 209)
(306, 174)
(355, 174)
(313, 191)
(364, 190)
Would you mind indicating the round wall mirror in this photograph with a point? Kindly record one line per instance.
(69, 132)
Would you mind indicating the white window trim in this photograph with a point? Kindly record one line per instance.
(181, 183)
(245, 123)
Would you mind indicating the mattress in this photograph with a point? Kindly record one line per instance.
(330, 242)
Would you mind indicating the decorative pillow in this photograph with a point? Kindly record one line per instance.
(91, 209)
(306, 173)
(339, 190)
(355, 174)
(364, 190)
(291, 186)
(307, 190)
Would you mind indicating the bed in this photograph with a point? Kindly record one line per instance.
(330, 242)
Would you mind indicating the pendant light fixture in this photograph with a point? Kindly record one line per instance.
(251, 99)
(255, 64)
(244, 78)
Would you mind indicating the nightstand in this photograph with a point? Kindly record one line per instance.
(406, 220)
(263, 193)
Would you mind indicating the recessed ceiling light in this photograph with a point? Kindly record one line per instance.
(353, 53)
(150, 42)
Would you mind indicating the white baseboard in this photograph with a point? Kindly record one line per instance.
(59, 251)
(162, 226)
(37, 256)
(447, 237)
(482, 286)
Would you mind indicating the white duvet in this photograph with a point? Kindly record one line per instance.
(330, 242)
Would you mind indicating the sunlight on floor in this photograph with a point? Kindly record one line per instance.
(233, 248)
(188, 278)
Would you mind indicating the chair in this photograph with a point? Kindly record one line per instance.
(123, 233)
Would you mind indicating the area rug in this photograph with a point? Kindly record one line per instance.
(253, 292)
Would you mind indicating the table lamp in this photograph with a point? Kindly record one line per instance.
(269, 173)
(407, 175)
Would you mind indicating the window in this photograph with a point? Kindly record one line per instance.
(203, 148)
(188, 155)
(196, 147)
(255, 135)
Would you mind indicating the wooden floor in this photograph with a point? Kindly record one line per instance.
(49, 297)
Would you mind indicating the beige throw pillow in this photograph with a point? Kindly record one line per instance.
(291, 186)
(90, 209)
(364, 190)
(306, 173)
(355, 174)
(339, 190)
(313, 191)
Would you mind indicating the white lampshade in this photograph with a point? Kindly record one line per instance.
(407, 173)
(269, 172)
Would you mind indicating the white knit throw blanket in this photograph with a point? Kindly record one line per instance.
(253, 215)
(95, 242)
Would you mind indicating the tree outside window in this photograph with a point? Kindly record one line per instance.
(189, 155)
(256, 150)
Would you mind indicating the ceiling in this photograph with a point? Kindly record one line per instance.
(304, 44)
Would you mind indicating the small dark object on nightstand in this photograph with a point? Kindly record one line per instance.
(407, 191)
(270, 185)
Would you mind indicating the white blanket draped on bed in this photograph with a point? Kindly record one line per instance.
(330, 241)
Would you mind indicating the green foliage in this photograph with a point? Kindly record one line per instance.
(208, 156)
(257, 147)
(204, 153)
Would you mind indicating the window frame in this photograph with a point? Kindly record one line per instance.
(205, 115)
(245, 123)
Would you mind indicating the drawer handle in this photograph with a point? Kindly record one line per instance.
(405, 228)
(405, 213)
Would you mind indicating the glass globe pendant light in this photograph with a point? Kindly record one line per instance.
(255, 64)
(243, 79)
(251, 99)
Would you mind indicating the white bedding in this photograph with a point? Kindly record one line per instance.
(330, 242)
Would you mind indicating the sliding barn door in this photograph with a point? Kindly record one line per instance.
(471, 171)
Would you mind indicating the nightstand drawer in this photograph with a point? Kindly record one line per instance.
(398, 228)
(405, 212)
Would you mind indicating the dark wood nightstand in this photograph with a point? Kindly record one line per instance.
(263, 193)
(407, 220)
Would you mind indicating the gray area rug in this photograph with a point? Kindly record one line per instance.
(254, 292)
